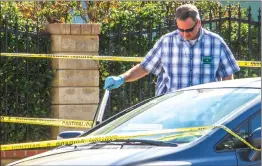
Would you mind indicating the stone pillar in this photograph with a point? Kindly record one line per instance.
(75, 88)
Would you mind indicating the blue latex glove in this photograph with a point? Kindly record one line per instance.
(113, 82)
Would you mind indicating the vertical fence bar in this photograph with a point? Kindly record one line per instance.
(16, 70)
(38, 62)
(118, 39)
(38, 37)
(49, 66)
(129, 54)
(167, 13)
(47, 50)
(150, 35)
(16, 36)
(108, 40)
(45, 40)
(102, 51)
(37, 44)
(259, 35)
(109, 110)
(229, 25)
(220, 20)
(239, 31)
(6, 33)
(1, 45)
(118, 51)
(249, 38)
(6, 61)
(140, 54)
(210, 19)
(27, 73)
(159, 30)
(239, 36)
(259, 39)
(1, 31)
(16, 50)
(6, 75)
(170, 22)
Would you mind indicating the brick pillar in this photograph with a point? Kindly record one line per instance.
(75, 88)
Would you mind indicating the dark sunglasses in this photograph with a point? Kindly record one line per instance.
(187, 30)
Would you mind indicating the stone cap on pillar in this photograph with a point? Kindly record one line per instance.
(73, 29)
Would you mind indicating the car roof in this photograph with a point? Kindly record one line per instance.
(237, 83)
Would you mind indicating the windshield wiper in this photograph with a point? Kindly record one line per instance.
(131, 142)
(122, 142)
(146, 142)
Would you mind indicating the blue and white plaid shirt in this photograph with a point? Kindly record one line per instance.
(178, 64)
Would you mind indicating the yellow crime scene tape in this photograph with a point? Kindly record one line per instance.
(249, 63)
(90, 139)
(48, 121)
(88, 124)
(88, 57)
(171, 137)
(107, 58)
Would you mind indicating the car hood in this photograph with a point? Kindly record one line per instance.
(139, 155)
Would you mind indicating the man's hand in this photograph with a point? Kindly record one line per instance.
(230, 77)
(136, 72)
(113, 82)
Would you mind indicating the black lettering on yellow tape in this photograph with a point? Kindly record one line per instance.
(95, 57)
(47, 121)
(249, 63)
(171, 137)
(107, 58)
(116, 137)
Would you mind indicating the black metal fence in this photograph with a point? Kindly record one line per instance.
(24, 82)
(24, 85)
(236, 26)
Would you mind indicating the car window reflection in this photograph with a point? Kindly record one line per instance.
(182, 109)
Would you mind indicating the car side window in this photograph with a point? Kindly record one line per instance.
(244, 131)
(255, 122)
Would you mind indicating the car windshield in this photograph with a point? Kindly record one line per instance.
(181, 109)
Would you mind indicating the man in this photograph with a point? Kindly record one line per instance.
(191, 55)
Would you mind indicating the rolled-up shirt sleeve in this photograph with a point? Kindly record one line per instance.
(228, 64)
(152, 61)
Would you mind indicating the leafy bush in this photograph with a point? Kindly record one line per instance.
(133, 27)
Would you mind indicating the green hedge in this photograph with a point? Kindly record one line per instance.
(24, 92)
(138, 17)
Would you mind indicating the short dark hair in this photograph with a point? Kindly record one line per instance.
(187, 10)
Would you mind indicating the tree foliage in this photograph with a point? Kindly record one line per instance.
(95, 11)
(38, 13)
